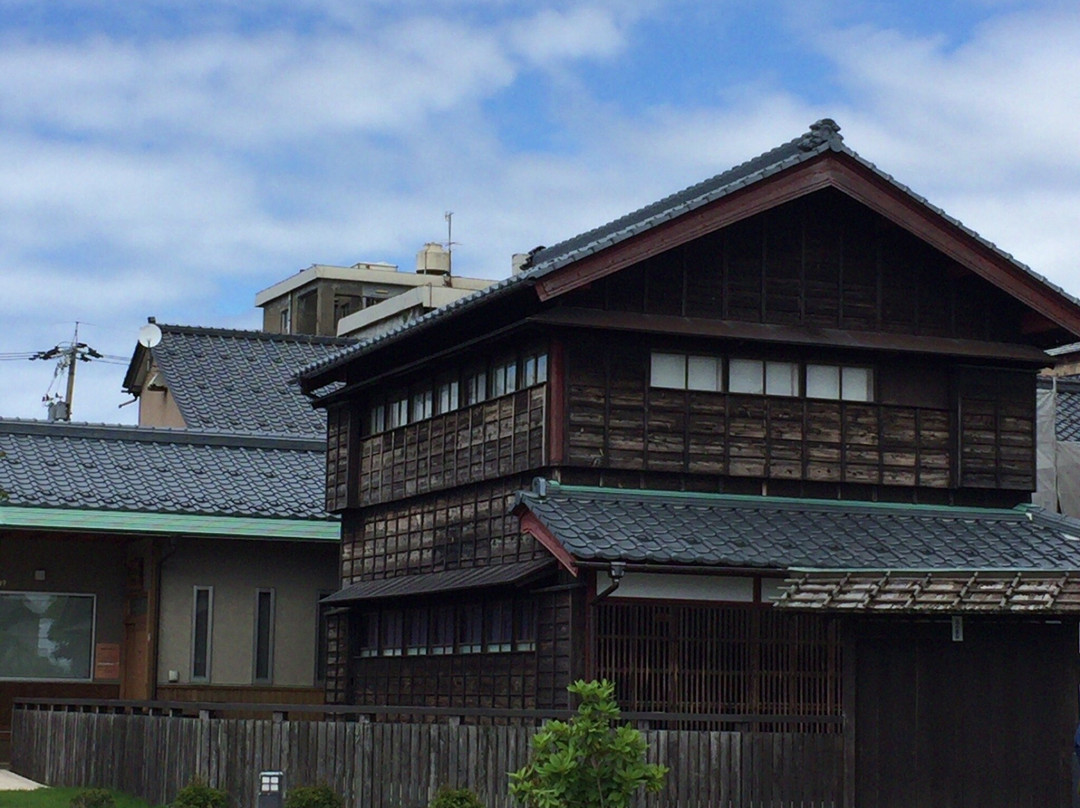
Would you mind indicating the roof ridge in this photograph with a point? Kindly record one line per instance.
(143, 434)
(787, 503)
(254, 334)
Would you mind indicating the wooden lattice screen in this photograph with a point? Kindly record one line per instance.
(744, 661)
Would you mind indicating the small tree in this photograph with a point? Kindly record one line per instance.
(587, 762)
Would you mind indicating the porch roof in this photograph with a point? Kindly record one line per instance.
(582, 524)
(443, 581)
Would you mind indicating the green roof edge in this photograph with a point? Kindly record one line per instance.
(843, 504)
(141, 523)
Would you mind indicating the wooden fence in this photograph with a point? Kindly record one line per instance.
(151, 750)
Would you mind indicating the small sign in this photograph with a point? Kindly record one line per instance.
(957, 628)
(107, 660)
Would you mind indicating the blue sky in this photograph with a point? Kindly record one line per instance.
(173, 158)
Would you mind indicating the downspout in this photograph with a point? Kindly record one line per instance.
(616, 572)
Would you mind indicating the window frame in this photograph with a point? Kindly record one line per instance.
(208, 630)
(260, 633)
(92, 646)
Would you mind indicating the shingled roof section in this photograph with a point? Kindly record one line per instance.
(239, 381)
(823, 136)
(714, 530)
(134, 469)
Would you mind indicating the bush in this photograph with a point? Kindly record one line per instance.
(198, 794)
(588, 762)
(447, 797)
(93, 798)
(313, 797)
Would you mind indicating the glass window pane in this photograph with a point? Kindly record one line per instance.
(668, 371)
(541, 368)
(378, 418)
(200, 634)
(46, 636)
(858, 384)
(782, 378)
(422, 403)
(823, 381)
(264, 633)
(703, 373)
(745, 376)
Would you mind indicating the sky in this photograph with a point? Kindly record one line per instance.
(171, 158)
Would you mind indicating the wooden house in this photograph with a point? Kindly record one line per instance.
(760, 452)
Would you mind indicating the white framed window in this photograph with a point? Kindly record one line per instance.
(202, 624)
(422, 404)
(504, 378)
(263, 653)
(857, 384)
(534, 369)
(781, 378)
(476, 387)
(399, 411)
(823, 381)
(668, 370)
(377, 419)
(447, 398)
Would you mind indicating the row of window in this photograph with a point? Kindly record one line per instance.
(491, 626)
(677, 371)
(453, 390)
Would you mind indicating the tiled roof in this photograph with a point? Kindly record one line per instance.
(240, 381)
(775, 533)
(442, 581)
(114, 468)
(824, 136)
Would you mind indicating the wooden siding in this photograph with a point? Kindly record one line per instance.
(382, 764)
(466, 526)
(983, 722)
(339, 429)
(997, 429)
(500, 681)
(729, 660)
(337, 655)
(615, 421)
(820, 261)
(486, 441)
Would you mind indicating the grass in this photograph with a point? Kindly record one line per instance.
(58, 798)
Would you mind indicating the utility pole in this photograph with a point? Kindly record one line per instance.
(68, 354)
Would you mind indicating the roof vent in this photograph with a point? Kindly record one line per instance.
(433, 259)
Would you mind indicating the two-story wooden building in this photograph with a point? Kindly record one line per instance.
(760, 453)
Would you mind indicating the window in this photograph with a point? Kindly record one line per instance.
(286, 320)
(442, 631)
(417, 641)
(840, 382)
(668, 371)
(504, 378)
(745, 376)
(377, 419)
(399, 411)
(46, 635)
(264, 636)
(470, 629)
(500, 626)
(391, 632)
(447, 396)
(757, 377)
(534, 370)
(344, 305)
(422, 404)
(202, 619)
(524, 625)
(704, 373)
(476, 387)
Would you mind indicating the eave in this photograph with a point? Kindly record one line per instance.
(845, 173)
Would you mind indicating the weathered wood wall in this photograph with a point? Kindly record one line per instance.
(820, 261)
(401, 765)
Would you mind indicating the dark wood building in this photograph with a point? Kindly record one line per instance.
(760, 453)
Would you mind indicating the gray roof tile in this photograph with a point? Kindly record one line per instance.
(824, 135)
(119, 468)
(775, 533)
(240, 381)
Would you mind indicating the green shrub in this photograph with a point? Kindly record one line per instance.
(93, 798)
(587, 762)
(313, 797)
(447, 797)
(198, 794)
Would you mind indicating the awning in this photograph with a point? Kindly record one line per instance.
(446, 581)
(941, 592)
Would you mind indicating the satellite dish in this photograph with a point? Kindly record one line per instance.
(149, 335)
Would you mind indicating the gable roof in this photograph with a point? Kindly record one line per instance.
(773, 533)
(822, 138)
(234, 380)
(62, 466)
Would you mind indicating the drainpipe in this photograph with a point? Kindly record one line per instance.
(616, 572)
